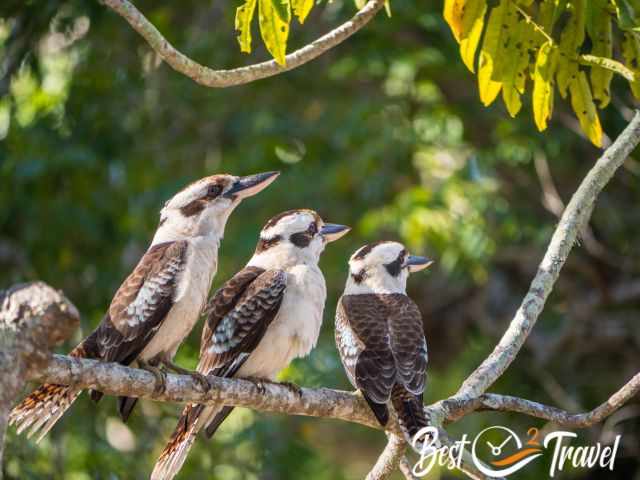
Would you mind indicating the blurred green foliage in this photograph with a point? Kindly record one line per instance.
(384, 133)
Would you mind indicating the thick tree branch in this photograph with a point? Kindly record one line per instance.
(573, 220)
(238, 76)
(118, 380)
(33, 318)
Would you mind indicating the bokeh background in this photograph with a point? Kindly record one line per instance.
(384, 133)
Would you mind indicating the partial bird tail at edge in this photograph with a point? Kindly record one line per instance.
(170, 461)
(40, 411)
(43, 407)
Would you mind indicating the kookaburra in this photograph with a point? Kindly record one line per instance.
(380, 336)
(266, 315)
(161, 300)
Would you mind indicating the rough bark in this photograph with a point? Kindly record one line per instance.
(33, 318)
(226, 78)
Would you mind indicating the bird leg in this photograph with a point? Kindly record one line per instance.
(161, 377)
(197, 377)
(296, 389)
(258, 382)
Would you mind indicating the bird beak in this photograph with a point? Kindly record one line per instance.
(248, 186)
(416, 263)
(332, 232)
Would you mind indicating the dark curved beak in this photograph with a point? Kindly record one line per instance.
(416, 263)
(250, 185)
(332, 231)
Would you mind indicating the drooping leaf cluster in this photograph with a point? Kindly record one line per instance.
(274, 18)
(574, 47)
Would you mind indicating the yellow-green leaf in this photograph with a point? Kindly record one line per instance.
(387, 8)
(613, 66)
(488, 72)
(570, 42)
(472, 25)
(602, 47)
(631, 54)
(542, 98)
(244, 15)
(274, 29)
(513, 72)
(453, 13)
(301, 9)
(585, 109)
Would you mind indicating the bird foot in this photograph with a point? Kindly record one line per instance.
(296, 389)
(161, 377)
(198, 377)
(258, 382)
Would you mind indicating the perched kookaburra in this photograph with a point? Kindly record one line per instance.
(265, 316)
(380, 336)
(160, 301)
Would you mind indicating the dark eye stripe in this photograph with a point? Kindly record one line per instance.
(394, 268)
(301, 239)
(194, 207)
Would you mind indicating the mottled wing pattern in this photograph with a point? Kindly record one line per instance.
(239, 314)
(233, 337)
(408, 343)
(225, 299)
(349, 345)
(375, 370)
(141, 303)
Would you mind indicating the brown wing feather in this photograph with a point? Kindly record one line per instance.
(375, 370)
(225, 299)
(408, 343)
(237, 333)
(141, 303)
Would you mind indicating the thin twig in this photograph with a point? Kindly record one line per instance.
(226, 78)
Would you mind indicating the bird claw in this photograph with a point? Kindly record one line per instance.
(259, 383)
(161, 377)
(296, 389)
(201, 380)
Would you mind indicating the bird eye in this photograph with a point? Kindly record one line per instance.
(313, 229)
(213, 191)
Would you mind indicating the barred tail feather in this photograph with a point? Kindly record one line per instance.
(411, 414)
(40, 411)
(170, 461)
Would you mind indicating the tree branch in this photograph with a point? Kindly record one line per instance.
(573, 220)
(506, 403)
(118, 380)
(33, 318)
(238, 76)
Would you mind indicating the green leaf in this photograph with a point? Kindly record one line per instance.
(585, 109)
(283, 9)
(570, 42)
(603, 67)
(488, 72)
(514, 78)
(301, 9)
(244, 15)
(626, 15)
(274, 29)
(612, 66)
(542, 98)
(631, 54)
